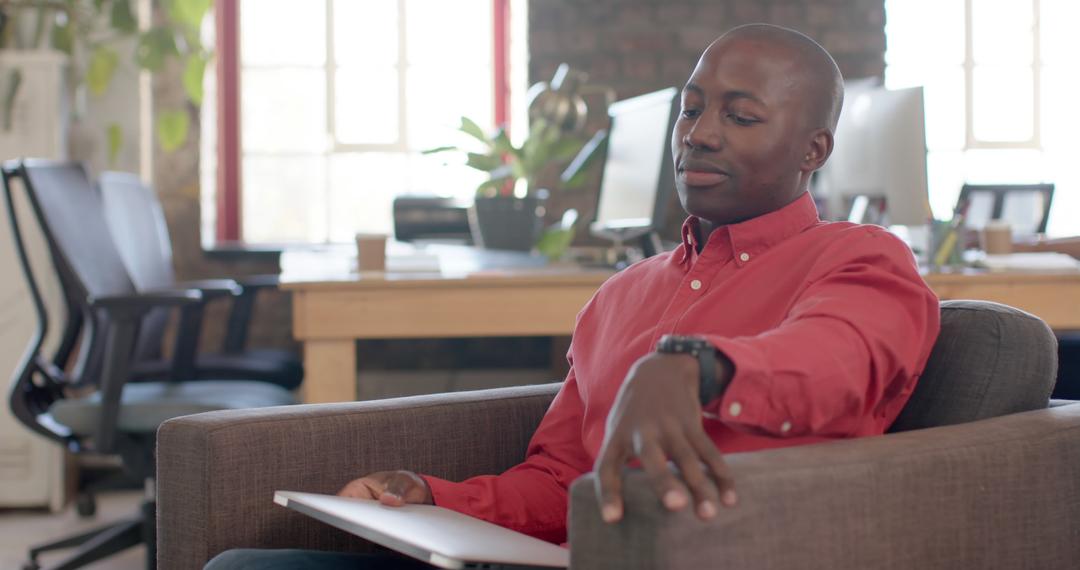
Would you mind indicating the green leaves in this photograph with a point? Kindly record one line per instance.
(189, 12)
(554, 242)
(172, 129)
(153, 47)
(100, 70)
(115, 138)
(194, 70)
(121, 17)
(469, 127)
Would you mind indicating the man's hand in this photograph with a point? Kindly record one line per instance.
(657, 417)
(392, 488)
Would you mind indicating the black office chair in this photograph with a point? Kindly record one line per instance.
(114, 417)
(137, 223)
(1025, 206)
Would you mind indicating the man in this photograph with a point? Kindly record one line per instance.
(788, 330)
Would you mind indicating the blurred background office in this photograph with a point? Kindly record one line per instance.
(271, 126)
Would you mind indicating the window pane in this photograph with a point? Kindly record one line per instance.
(945, 176)
(1002, 31)
(908, 27)
(279, 32)
(1059, 113)
(449, 32)
(1004, 166)
(1003, 103)
(284, 199)
(366, 32)
(943, 90)
(437, 98)
(362, 190)
(1057, 28)
(366, 106)
(284, 110)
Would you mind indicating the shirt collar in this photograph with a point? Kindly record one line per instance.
(745, 240)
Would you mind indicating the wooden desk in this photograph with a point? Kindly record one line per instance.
(331, 312)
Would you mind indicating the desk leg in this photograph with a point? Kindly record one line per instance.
(329, 371)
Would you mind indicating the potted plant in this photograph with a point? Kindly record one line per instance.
(509, 207)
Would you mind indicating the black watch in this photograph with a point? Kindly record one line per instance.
(708, 388)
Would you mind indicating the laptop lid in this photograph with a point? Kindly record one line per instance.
(435, 535)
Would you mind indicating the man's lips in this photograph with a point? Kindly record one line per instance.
(701, 177)
(694, 172)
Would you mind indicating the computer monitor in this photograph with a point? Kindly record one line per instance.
(880, 155)
(638, 178)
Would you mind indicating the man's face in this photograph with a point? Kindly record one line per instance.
(741, 139)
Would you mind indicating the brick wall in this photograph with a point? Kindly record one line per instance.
(638, 46)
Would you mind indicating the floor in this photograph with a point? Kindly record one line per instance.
(21, 528)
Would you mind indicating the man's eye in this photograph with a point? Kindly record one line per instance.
(690, 113)
(742, 120)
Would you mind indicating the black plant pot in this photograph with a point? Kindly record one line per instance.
(505, 222)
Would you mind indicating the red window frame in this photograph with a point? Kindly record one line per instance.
(229, 226)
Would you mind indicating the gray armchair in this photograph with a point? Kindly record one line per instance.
(1000, 489)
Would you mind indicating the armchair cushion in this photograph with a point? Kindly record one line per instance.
(217, 472)
(989, 360)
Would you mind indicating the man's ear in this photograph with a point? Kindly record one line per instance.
(818, 150)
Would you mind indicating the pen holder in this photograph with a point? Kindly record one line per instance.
(947, 246)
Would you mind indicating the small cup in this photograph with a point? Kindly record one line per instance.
(371, 252)
(996, 237)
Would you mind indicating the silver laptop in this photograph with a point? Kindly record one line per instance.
(435, 535)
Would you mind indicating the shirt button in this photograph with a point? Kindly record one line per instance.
(735, 409)
(785, 427)
(744, 256)
(695, 284)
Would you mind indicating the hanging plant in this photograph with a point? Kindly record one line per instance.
(90, 31)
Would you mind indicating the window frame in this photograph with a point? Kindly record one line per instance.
(229, 176)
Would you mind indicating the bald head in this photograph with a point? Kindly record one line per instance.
(818, 76)
(757, 119)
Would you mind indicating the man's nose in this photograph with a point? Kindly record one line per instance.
(705, 133)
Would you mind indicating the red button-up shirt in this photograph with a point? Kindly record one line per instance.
(828, 326)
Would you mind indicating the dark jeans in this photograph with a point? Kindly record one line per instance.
(252, 559)
(1068, 380)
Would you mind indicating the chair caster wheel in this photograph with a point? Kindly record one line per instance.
(85, 505)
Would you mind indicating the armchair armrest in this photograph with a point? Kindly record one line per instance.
(242, 308)
(217, 472)
(1001, 493)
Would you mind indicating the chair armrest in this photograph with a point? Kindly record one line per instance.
(217, 472)
(1001, 493)
(213, 288)
(256, 282)
(240, 316)
(134, 306)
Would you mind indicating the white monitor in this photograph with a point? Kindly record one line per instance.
(638, 177)
(880, 153)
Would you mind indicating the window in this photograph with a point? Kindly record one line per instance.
(997, 85)
(339, 97)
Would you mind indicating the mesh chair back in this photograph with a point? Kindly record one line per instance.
(137, 223)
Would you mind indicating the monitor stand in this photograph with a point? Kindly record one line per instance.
(626, 250)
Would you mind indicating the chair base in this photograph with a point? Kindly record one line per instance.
(103, 542)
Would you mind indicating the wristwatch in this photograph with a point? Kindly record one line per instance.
(708, 387)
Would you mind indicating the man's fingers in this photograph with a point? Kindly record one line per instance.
(609, 482)
(670, 490)
(359, 489)
(397, 488)
(717, 468)
(705, 493)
